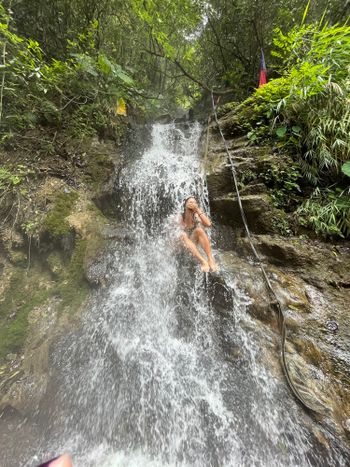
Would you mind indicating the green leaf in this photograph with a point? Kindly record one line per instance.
(86, 64)
(122, 76)
(346, 168)
(105, 65)
(296, 129)
(281, 131)
(305, 12)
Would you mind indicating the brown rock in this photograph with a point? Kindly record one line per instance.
(260, 214)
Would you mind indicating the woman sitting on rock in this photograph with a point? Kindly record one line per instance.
(192, 222)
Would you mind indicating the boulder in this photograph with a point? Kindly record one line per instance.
(262, 217)
(317, 330)
(249, 276)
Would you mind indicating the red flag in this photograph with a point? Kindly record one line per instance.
(263, 71)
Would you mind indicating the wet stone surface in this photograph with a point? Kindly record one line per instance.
(309, 277)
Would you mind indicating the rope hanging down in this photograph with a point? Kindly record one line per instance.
(275, 302)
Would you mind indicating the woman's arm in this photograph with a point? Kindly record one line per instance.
(204, 219)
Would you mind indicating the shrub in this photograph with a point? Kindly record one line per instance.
(306, 112)
(36, 92)
(327, 212)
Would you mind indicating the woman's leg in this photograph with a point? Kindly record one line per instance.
(189, 245)
(200, 236)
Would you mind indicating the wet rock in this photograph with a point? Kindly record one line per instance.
(249, 276)
(279, 250)
(165, 118)
(26, 379)
(318, 364)
(290, 290)
(221, 295)
(219, 178)
(118, 232)
(96, 273)
(315, 263)
(254, 189)
(311, 278)
(332, 325)
(346, 426)
(258, 210)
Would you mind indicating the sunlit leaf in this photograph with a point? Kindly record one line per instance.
(281, 131)
(346, 168)
(121, 107)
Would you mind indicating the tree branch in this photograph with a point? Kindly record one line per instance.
(188, 75)
(218, 43)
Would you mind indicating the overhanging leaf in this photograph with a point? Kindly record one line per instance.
(281, 131)
(121, 107)
(125, 78)
(105, 65)
(346, 168)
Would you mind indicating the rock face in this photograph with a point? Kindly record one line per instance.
(49, 260)
(311, 278)
(249, 163)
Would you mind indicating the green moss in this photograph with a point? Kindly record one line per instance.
(99, 169)
(101, 219)
(55, 264)
(18, 257)
(23, 295)
(74, 288)
(226, 108)
(246, 176)
(55, 222)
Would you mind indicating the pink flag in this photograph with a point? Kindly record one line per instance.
(263, 71)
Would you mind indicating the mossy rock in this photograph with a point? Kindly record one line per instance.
(73, 289)
(18, 258)
(99, 168)
(234, 125)
(226, 108)
(21, 297)
(55, 263)
(55, 223)
(30, 289)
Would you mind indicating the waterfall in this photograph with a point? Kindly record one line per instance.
(151, 378)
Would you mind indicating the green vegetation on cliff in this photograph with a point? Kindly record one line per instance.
(70, 67)
(22, 296)
(55, 222)
(28, 289)
(79, 93)
(305, 112)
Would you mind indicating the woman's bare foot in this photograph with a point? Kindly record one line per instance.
(212, 264)
(205, 266)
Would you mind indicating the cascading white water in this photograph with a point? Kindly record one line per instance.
(149, 380)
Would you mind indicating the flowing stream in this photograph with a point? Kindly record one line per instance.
(159, 374)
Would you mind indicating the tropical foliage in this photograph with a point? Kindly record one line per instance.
(80, 92)
(306, 112)
(74, 66)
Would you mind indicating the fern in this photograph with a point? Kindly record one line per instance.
(327, 212)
